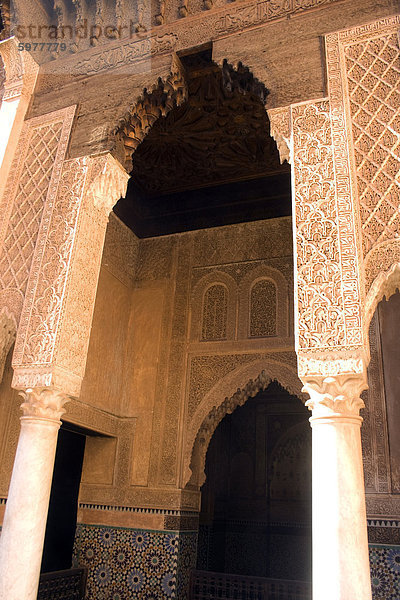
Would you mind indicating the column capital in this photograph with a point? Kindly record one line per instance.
(281, 131)
(43, 404)
(108, 181)
(335, 395)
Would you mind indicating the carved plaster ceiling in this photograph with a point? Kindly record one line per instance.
(210, 161)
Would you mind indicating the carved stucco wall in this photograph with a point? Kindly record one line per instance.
(188, 265)
(32, 183)
(363, 78)
(18, 73)
(169, 269)
(53, 336)
(344, 151)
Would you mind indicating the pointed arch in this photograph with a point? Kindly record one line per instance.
(231, 391)
(8, 332)
(384, 285)
(155, 102)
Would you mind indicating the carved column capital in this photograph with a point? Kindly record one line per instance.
(21, 69)
(281, 131)
(43, 403)
(108, 184)
(335, 395)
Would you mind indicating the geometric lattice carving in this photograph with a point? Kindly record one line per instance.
(215, 309)
(373, 72)
(31, 186)
(263, 309)
(23, 227)
(56, 317)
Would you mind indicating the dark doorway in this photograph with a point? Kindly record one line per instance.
(389, 324)
(256, 502)
(63, 507)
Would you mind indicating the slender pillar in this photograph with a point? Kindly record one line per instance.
(22, 536)
(340, 544)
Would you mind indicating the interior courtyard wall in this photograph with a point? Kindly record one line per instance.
(184, 370)
(164, 467)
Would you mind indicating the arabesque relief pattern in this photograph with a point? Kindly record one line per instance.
(321, 321)
(20, 70)
(58, 307)
(363, 80)
(37, 346)
(215, 309)
(263, 309)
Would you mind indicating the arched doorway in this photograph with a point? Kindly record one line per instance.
(380, 440)
(204, 162)
(255, 518)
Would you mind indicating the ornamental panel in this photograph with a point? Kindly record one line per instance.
(215, 311)
(263, 309)
(364, 90)
(32, 182)
(53, 335)
(373, 79)
(321, 315)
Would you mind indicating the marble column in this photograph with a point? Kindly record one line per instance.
(22, 536)
(340, 544)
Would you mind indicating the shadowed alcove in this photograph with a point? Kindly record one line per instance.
(255, 515)
(210, 161)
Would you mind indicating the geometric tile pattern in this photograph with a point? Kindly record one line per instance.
(92, 549)
(23, 227)
(373, 75)
(385, 572)
(135, 563)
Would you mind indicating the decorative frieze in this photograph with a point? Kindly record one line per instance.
(124, 55)
(263, 12)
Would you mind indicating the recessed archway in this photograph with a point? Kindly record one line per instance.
(231, 391)
(202, 154)
(256, 499)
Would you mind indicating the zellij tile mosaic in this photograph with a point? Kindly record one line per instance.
(134, 563)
